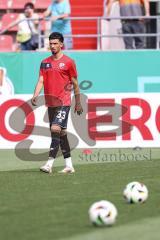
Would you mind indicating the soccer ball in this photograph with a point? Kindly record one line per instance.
(102, 213)
(135, 192)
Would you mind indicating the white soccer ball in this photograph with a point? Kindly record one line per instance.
(103, 213)
(135, 192)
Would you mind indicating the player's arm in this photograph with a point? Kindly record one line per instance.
(37, 90)
(78, 107)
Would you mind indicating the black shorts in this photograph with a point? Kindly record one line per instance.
(58, 115)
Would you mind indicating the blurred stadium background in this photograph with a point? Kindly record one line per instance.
(87, 22)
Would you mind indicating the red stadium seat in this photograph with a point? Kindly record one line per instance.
(3, 4)
(42, 4)
(85, 43)
(83, 8)
(6, 43)
(7, 19)
(18, 4)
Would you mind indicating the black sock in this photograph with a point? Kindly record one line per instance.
(64, 144)
(54, 144)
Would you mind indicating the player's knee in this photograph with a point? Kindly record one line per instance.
(55, 129)
(63, 133)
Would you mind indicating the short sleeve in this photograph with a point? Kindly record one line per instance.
(73, 70)
(41, 70)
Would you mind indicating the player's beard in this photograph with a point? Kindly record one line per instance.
(54, 52)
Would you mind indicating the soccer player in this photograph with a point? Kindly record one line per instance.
(57, 75)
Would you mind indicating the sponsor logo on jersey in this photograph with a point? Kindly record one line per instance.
(61, 65)
(46, 65)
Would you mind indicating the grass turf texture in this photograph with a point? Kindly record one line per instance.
(39, 206)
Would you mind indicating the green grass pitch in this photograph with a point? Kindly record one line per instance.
(34, 205)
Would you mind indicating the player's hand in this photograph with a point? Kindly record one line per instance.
(34, 101)
(78, 108)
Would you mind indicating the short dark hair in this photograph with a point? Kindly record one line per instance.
(29, 5)
(56, 35)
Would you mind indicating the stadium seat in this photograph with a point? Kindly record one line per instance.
(86, 8)
(88, 11)
(19, 4)
(7, 19)
(83, 8)
(84, 27)
(85, 43)
(41, 4)
(6, 43)
(3, 4)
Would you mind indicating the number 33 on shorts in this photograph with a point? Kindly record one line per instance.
(61, 115)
